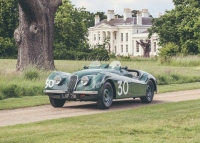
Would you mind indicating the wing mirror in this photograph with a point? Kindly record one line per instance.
(125, 68)
(85, 67)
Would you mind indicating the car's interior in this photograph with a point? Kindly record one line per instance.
(114, 65)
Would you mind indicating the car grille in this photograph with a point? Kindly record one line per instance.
(72, 84)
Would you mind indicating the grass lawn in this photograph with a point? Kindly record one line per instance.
(170, 122)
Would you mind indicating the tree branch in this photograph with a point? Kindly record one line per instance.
(34, 7)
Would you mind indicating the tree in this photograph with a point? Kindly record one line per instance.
(70, 28)
(8, 23)
(146, 46)
(180, 26)
(34, 36)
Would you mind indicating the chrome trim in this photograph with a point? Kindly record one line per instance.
(54, 91)
(74, 84)
(86, 92)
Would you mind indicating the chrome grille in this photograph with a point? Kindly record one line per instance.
(72, 84)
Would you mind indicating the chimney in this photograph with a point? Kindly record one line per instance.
(160, 14)
(127, 13)
(145, 13)
(110, 15)
(97, 19)
(139, 18)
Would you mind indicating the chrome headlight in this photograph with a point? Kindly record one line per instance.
(84, 80)
(57, 79)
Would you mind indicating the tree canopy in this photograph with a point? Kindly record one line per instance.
(8, 23)
(180, 27)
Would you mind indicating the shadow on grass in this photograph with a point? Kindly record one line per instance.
(117, 104)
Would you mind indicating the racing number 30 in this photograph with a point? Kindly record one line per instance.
(122, 88)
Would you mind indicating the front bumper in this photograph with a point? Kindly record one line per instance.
(76, 95)
(75, 92)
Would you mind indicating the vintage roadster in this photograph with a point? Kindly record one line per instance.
(101, 83)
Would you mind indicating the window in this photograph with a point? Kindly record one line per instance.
(137, 47)
(94, 37)
(137, 31)
(126, 36)
(155, 47)
(122, 48)
(99, 37)
(121, 36)
(115, 35)
(115, 49)
(127, 48)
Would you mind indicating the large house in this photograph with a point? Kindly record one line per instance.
(123, 33)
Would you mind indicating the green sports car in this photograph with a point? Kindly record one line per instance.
(101, 83)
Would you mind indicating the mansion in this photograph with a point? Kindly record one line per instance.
(123, 33)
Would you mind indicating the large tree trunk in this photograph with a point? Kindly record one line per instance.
(146, 46)
(35, 33)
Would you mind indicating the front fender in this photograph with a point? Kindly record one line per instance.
(50, 82)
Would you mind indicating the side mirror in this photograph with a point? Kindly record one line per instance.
(85, 67)
(125, 67)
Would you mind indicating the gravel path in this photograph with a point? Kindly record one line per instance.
(40, 113)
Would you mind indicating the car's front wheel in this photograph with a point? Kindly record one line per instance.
(57, 102)
(149, 93)
(105, 101)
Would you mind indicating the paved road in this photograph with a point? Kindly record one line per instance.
(40, 113)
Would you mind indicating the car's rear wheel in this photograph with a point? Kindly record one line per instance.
(105, 101)
(149, 93)
(57, 102)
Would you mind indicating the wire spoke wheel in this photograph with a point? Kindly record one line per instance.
(105, 101)
(149, 93)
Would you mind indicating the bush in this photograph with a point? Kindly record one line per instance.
(112, 55)
(13, 91)
(31, 74)
(93, 54)
(167, 52)
(171, 78)
(8, 48)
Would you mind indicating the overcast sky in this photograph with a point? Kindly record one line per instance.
(154, 6)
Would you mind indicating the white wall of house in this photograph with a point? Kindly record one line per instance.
(131, 33)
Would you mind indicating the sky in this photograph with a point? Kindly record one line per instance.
(154, 6)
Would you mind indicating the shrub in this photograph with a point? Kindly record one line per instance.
(11, 91)
(167, 52)
(31, 74)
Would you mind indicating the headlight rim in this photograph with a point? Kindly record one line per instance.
(57, 81)
(85, 81)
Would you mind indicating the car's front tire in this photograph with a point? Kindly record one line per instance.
(105, 101)
(57, 102)
(149, 93)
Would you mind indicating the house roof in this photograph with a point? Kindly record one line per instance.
(128, 21)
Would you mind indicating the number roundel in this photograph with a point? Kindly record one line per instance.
(49, 83)
(123, 88)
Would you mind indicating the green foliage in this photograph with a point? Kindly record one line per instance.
(16, 90)
(181, 60)
(170, 49)
(8, 48)
(112, 55)
(8, 23)
(180, 26)
(165, 79)
(8, 17)
(70, 28)
(100, 54)
(31, 74)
